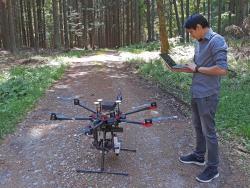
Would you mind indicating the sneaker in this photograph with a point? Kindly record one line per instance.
(192, 159)
(208, 174)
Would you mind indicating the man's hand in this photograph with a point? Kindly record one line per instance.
(191, 66)
(214, 70)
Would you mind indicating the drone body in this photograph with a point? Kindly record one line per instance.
(105, 124)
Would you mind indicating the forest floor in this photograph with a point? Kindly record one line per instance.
(45, 154)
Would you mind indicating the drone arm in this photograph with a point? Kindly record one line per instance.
(146, 123)
(86, 108)
(77, 102)
(82, 118)
(149, 107)
(53, 116)
(131, 122)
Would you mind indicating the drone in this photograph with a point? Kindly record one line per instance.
(104, 127)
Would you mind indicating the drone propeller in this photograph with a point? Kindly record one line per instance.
(141, 106)
(150, 106)
(146, 123)
(163, 119)
(67, 98)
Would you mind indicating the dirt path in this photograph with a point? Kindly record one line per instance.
(46, 154)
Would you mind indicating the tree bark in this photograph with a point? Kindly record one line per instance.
(128, 39)
(4, 27)
(209, 11)
(23, 25)
(11, 27)
(182, 22)
(153, 20)
(56, 25)
(148, 5)
(197, 8)
(36, 41)
(170, 19)
(219, 16)
(162, 27)
(65, 25)
(187, 15)
(177, 17)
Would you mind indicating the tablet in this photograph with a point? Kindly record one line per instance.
(170, 62)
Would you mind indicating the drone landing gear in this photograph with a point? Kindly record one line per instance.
(102, 170)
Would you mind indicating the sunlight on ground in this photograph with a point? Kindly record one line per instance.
(62, 86)
(182, 53)
(38, 132)
(179, 53)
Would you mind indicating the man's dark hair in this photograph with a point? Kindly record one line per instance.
(195, 19)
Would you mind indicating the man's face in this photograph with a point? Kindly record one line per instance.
(196, 33)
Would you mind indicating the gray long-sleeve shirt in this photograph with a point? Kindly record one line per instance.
(212, 50)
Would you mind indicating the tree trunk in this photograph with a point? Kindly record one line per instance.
(209, 11)
(23, 25)
(17, 23)
(148, 4)
(182, 22)
(187, 15)
(132, 21)
(162, 27)
(137, 26)
(170, 19)
(36, 41)
(56, 25)
(61, 22)
(4, 27)
(197, 8)
(40, 25)
(11, 27)
(128, 42)
(240, 11)
(91, 22)
(219, 16)
(65, 25)
(230, 7)
(177, 17)
(204, 8)
(153, 21)
(44, 38)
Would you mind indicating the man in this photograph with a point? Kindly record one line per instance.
(210, 63)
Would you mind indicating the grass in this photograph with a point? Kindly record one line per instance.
(234, 108)
(76, 53)
(168, 80)
(20, 88)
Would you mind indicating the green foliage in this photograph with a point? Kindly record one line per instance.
(234, 109)
(176, 83)
(76, 53)
(20, 90)
(140, 47)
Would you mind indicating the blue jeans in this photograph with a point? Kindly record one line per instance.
(203, 114)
